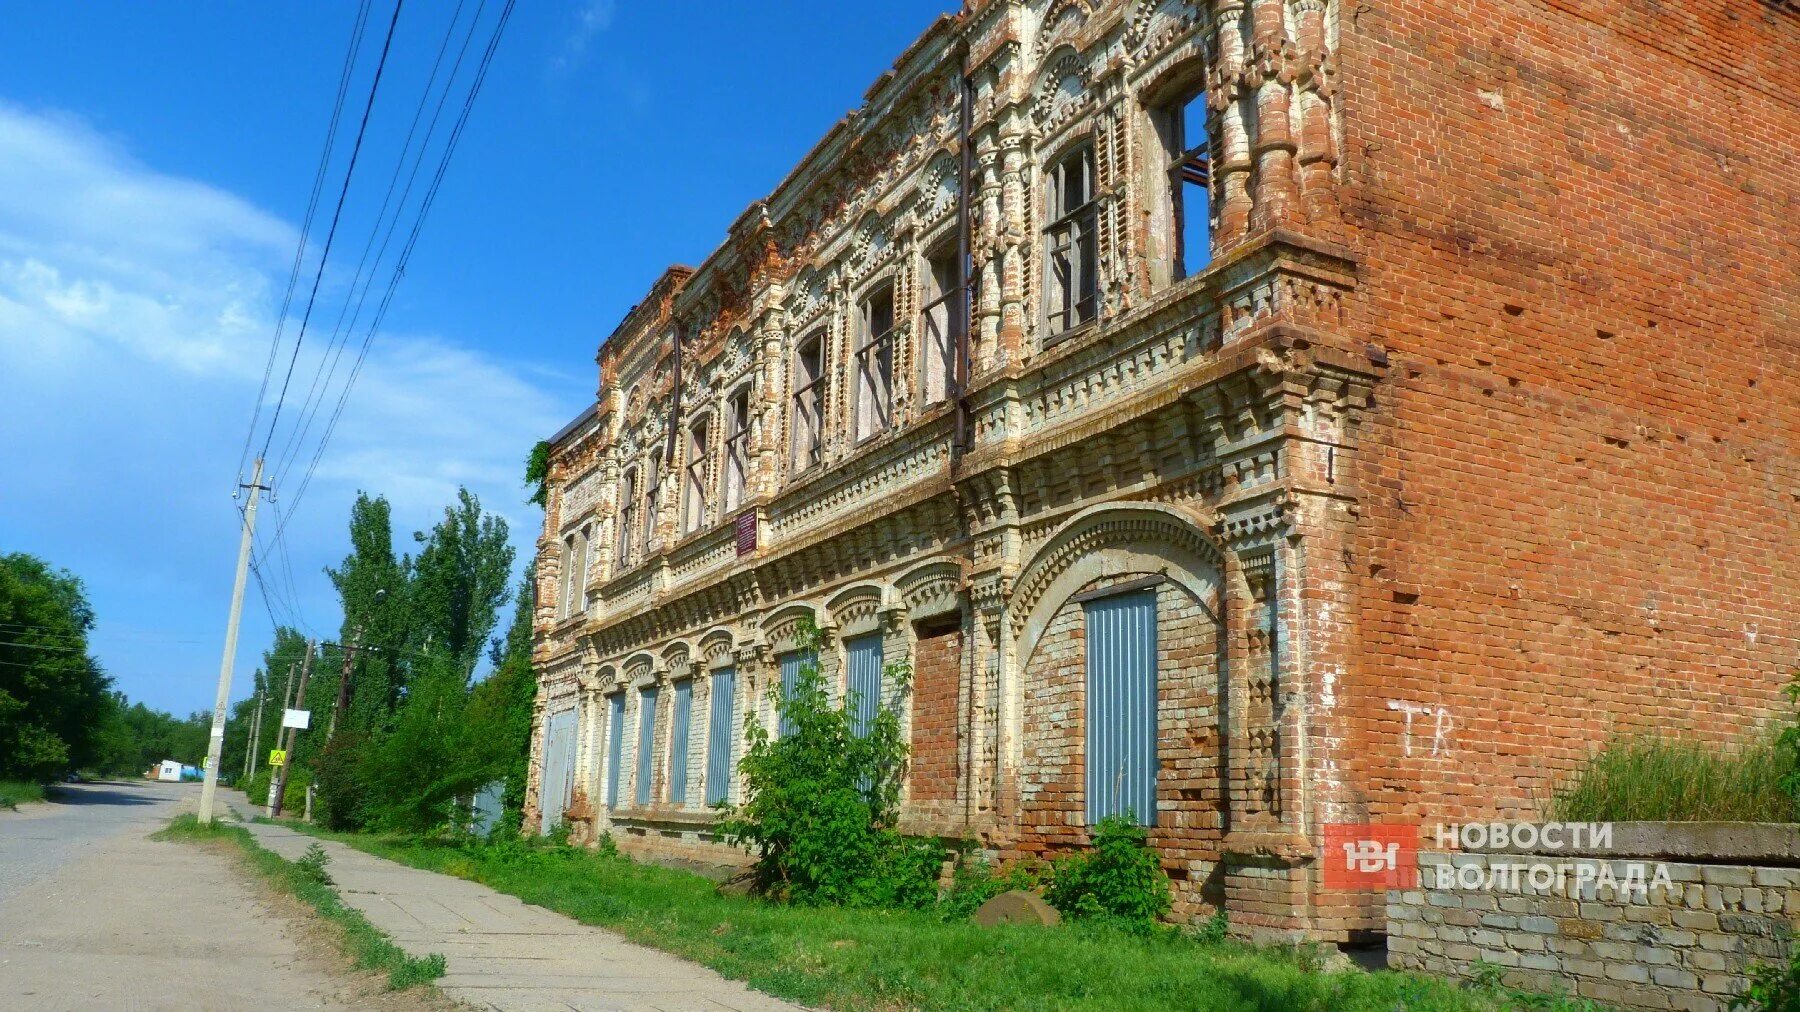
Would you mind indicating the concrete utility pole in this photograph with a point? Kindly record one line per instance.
(217, 742)
(278, 782)
(254, 740)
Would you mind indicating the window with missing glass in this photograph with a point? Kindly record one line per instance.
(1071, 252)
(807, 414)
(875, 363)
(737, 448)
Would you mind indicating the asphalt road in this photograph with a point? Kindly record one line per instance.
(37, 840)
(96, 915)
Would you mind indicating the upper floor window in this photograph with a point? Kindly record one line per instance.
(808, 415)
(693, 493)
(1071, 285)
(627, 517)
(568, 576)
(940, 325)
(577, 560)
(737, 447)
(1183, 127)
(652, 489)
(875, 364)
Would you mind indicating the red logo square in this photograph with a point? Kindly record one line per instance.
(1371, 855)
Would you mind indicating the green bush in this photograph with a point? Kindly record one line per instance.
(1120, 880)
(974, 882)
(337, 804)
(822, 801)
(293, 802)
(1653, 779)
(1772, 988)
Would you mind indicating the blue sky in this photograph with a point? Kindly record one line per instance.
(155, 164)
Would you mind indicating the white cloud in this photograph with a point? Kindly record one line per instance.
(135, 315)
(591, 18)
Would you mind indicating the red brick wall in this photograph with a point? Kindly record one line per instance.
(1052, 774)
(1577, 229)
(937, 673)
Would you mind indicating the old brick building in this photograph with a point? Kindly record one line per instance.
(1363, 411)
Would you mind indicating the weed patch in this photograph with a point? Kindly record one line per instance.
(368, 946)
(1652, 779)
(14, 793)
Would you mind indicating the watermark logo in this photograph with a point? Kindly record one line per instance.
(1371, 855)
(1486, 857)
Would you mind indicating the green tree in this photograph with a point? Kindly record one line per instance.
(822, 800)
(459, 580)
(53, 695)
(372, 584)
(499, 712)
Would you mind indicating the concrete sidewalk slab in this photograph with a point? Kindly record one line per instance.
(503, 953)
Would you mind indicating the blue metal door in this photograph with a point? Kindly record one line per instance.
(864, 656)
(1121, 706)
(646, 743)
(615, 747)
(719, 735)
(678, 741)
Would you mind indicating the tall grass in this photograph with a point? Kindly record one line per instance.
(1653, 779)
(14, 793)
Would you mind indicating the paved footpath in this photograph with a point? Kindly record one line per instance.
(506, 954)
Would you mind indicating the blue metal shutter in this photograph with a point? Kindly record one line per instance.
(719, 734)
(678, 741)
(1121, 706)
(615, 746)
(557, 778)
(646, 743)
(864, 654)
(792, 663)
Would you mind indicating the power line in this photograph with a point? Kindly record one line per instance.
(331, 233)
(312, 204)
(340, 333)
(405, 257)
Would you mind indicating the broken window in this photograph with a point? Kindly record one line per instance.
(568, 576)
(941, 326)
(737, 447)
(652, 486)
(627, 517)
(1183, 126)
(875, 364)
(1071, 289)
(807, 419)
(693, 495)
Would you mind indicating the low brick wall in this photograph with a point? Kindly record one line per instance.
(1684, 940)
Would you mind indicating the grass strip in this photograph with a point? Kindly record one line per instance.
(838, 958)
(306, 880)
(14, 793)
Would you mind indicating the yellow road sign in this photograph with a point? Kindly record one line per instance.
(278, 757)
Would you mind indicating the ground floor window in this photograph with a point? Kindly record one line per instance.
(646, 742)
(792, 664)
(719, 734)
(615, 737)
(678, 741)
(864, 655)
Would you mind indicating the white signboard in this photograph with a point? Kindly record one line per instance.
(301, 719)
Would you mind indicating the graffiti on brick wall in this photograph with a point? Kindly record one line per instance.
(1429, 734)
